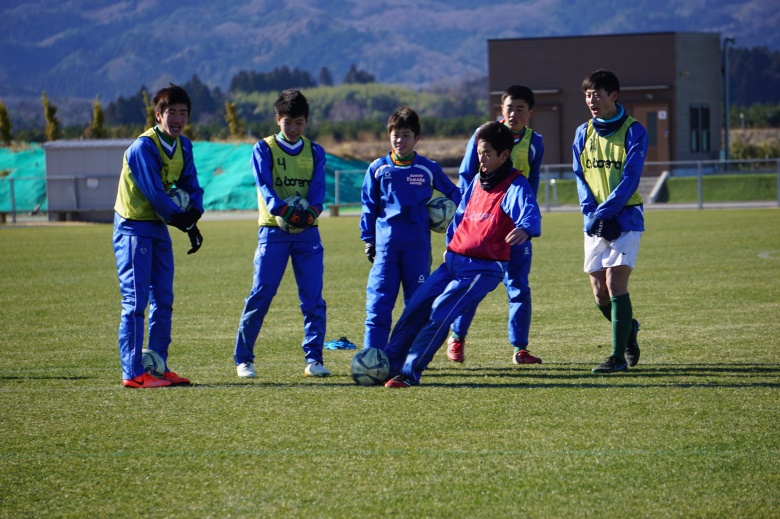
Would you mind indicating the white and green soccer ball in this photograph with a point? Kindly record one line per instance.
(294, 202)
(153, 363)
(370, 367)
(441, 210)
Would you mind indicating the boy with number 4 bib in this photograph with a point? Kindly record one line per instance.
(284, 165)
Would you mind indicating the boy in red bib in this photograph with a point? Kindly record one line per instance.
(498, 210)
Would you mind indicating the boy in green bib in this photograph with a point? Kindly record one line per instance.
(609, 154)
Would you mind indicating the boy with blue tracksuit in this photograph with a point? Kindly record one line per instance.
(498, 211)
(159, 159)
(284, 165)
(609, 154)
(517, 107)
(394, 223)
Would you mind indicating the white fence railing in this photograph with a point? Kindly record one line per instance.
(84, 193)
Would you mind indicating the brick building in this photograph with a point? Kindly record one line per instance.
(671, 82)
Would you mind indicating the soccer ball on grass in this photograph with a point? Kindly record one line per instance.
(440, 212)
(294, 202)
(370, 367)
(153, 363)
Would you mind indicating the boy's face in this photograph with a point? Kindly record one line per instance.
(516, 113)
(292, 127)
(173, 119)
(602, 105)
(489, 160)
(403, 141)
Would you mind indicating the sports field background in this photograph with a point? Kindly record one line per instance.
(692, 431)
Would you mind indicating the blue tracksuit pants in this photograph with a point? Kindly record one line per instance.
(457, 286)
(519, 292)
(145, 269)
(391, 270)
(269, 266)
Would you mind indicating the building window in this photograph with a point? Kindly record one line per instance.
(700, 129)
(652, 129)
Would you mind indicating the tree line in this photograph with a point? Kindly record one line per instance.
(359, 106)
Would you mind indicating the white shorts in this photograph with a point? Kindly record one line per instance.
(601, 254)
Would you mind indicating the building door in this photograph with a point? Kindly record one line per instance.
(655, 118)
(547, 121)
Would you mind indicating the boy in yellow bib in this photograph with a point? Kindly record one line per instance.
(609, 154)
(158, 160)
(284, 165)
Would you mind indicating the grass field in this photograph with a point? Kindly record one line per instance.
(692, 431)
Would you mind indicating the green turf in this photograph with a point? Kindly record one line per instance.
(692, 431)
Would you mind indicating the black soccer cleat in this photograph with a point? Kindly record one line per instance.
(611, 365)
(632, 349)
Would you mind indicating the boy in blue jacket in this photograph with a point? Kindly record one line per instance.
(394, 223)
(517, 107)
(498, 211)
(609, 154)
(284, 165)
(158, 160)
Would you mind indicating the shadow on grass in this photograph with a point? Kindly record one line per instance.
(22, 378)
(563, 375)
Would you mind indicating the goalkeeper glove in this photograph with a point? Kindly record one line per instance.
(186, 220)
(295, 217)
(305, 216)
(370, 251)
(196, 240)
(607, 229)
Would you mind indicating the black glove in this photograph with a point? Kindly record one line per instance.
(370, 251)
(305, 216)
(186, 220)
(607, 229)
(295, 217)
(196, 240)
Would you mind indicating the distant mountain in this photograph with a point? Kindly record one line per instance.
(111, 48)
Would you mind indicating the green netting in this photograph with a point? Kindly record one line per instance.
(223, 170)
(27, 167)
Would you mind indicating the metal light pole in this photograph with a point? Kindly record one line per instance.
(726, 97)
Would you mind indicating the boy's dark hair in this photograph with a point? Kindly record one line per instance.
(601, 79)
(292, 103)
(404, 117)
(519, 92)
(497, 135)
(169, 96)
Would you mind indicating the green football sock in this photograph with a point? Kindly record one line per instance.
(621, 324)
(606, 310)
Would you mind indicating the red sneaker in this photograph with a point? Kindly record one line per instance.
(145, 380)
(455, 349)
(175, 379)
(399, 381)
(524, 357)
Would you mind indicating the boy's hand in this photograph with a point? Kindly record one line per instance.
(607, 229)
(196, 240)
(370, 251)
(516, 236)
(186, 220)
(305, 216)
